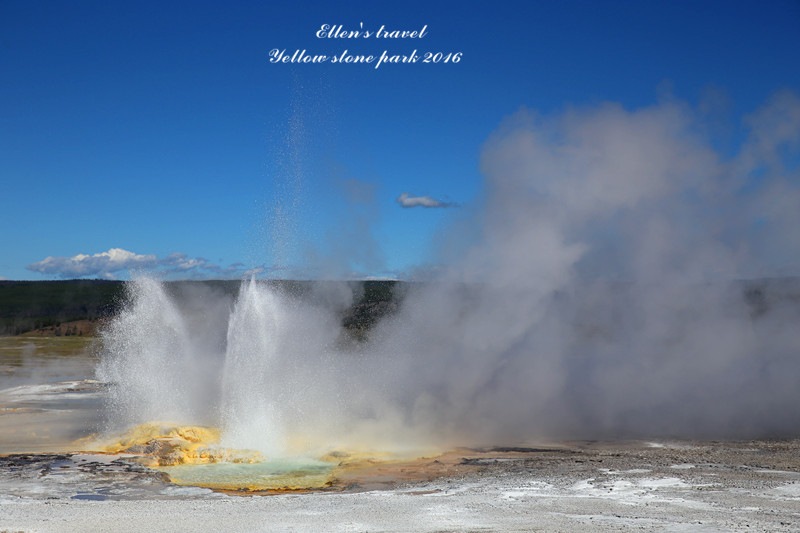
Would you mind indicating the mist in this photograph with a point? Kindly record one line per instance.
(602, 293)
(604, 296)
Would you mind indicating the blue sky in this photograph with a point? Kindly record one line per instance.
(162, 129)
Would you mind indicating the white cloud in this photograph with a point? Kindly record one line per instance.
(182, 262)
(102, 264)
(406, 200)
(107, 265)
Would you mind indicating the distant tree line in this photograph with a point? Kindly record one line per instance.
(32, 305)
(28, 305)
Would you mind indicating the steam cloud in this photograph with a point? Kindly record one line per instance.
(601, 297)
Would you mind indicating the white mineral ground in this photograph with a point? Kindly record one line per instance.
(743, 486)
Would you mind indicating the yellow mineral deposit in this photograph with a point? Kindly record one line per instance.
(164, 444)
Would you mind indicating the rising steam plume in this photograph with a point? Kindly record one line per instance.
(602, 298)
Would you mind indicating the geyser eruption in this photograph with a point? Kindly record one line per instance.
(598, 291)
(250, 416)
(163, 365)
(148, 357)
(250, 366)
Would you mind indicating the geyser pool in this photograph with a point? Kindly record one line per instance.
(289, 473)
